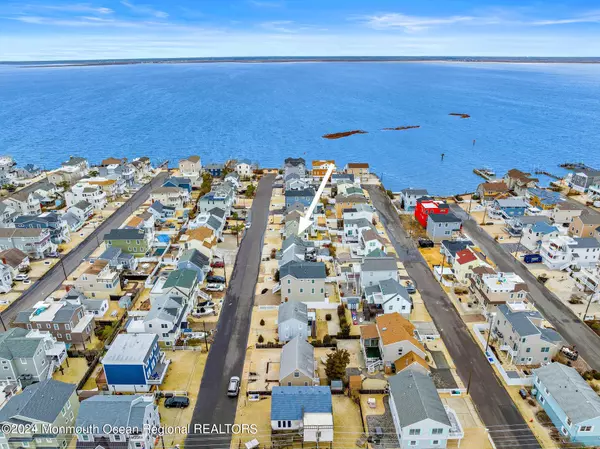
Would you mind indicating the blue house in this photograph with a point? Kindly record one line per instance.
(56, 225)
(294, 409)
(572, 405)
(134, 363)
(304, 197)
(194, 260)
(216, 170)
(510, 207)
(183, 183)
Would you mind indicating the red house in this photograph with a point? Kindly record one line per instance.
(426, 207)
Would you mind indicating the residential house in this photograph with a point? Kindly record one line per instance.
(520, 333)
(166, 318)
(181, 182)
(409, 197)
(131, 241)
(161, 211)
(584, 225)
(134, 363)
(564, 213)
(376, 269)
(443, 226)
(34, 242)
(24, 202)
(303, 281)
(82, 210)
(66, 322)
(294, 249)
(358, 169)
(6, 278)
(562, 252)
(388, 339)
(145, 221)
(221, 197)
(213, 219)
(119, 260)
(306, 411)
(519, 181)
(46, 404)
(233, 178)
(182, 282)
(54, 223)
(297, 366)
(533, 235)
(99, 414)
(202, 239)
(581, 181)
(426, 207)
(29, 354)
(464, 262)
(304, 197)
(294, 165)
(113, 161)
(293, 181)
(7, 215)
(419, 415)
(543, 199)
(100, 280)
(361, 210)
(170, 196)
(508, 207)
(515, 225)
(123, 171)
(491, 289)
(353, 228)
(93, 194)
(7, 168)
(15, 259)
(570, 402)
(245, 168)
(338, 178)
(449, 248)
(344, 202)
(80, 163)
(142, 166)
(489, 191)
(347, 189)
(192, 259)
(64, 175)
(215, 170)
(388, 296)
(319, 167)
(292, 321)
(370, 241)
(113, 187)
(191, 168)
(93, 306)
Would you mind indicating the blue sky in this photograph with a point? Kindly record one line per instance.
(100, 29)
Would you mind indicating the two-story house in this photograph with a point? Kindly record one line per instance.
(15, 259)
(202, 239)
(320, 167)
(46, 403)
(376, 269)
(572, 405)
(304, 197)
(359, 169)
(564, 213)
(443, 226)
(581, 181)
(245, 168)
(136, 241)
(93, 194)
(297, 366)
(519, 181)
(465, 261)
(491, 289)
(215, 170)
(165, 318)
(24, 202)
(559, 253)
(161, 211)
(170, 196)
(533, 235)
(409, 197)
(294, 165)
(388, 296)
(520, 333)
(67, 322)
(98, 414)
(489, 191)
(191, 167)
(54, 223)
(353, 229)
(6, 278)
(192, 259)
(292, 321)
(100, 280)
(134, 363)
(584, 225)
(29, 354)
(34, 242)
(303, 281)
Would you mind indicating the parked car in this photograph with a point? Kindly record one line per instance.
(218, 264)
(532, 258)
(234, 387)
(214, 287)
(410, 287)
(22, 277)
(425, 243)
(177, 402)
(215, 279)
(523, 393)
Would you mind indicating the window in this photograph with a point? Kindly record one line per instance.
(296, 374)
(301, 290)
(542, 400)
(435, 442)
(68, 336)
(67, 327)
(412, 443)
(437, 431)
(58, 335)
(546, 349)
(563, 430)
(414, 432)
(23, 361)
(528, 350)
(585, 428)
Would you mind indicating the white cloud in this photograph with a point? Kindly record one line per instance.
(145, 10)
(281, 26)
(266, 3)
(79, 7)
(411, 23)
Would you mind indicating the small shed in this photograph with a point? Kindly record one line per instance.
(337, 386)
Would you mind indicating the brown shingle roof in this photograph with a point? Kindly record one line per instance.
(369, 331)
(13, 257)
(408, 359)
(358, 165)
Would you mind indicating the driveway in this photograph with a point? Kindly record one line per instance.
(497, 410)
(568, 325)
(54, 277)
(227, 353)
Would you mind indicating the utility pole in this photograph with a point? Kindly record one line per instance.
(205, 341)
(586, 309)
(519, 244)
(63, 267)
(2, 321)
(484, 215)
(470, 375)
(487, 343)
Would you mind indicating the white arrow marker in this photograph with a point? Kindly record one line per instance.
(305, 221)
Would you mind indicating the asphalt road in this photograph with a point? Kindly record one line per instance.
(495, 406)
(227, 353)
(568, 325)
(55, 276)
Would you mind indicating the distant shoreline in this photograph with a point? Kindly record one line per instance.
(267, 60)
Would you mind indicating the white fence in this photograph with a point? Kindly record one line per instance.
(521, 380)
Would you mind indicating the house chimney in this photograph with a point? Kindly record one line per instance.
(69, 288)
(4, 260)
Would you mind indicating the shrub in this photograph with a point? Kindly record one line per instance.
(596, 375)
(341, 310)
(327, 339)
(261, 339)
(328, 317)
(262, 322)
(345, 331)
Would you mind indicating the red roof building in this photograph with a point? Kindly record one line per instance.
(426, 207)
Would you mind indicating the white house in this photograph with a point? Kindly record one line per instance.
(390, 296)
(292, 321)
(562, 252)
(165, 317)
(564, 213)
(409, 197)
(533, 235)
(24, 202)
(303, 281)
(170, 196)
(5, 278)
(376, 269)
(93, 194)
(245, 168)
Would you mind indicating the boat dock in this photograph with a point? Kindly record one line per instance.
(485, 173)
(550, 175)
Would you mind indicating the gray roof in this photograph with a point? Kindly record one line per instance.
(300, 193)
(130, 348)
(112, 410)
(295, 240)
(523, 324)
(217, 212)
(444, 218)
(393, 287)
(511, 202)
(297, 355)
(303, 270)
(379, 264)
(14, 345)
(292, 310)
(166, 308)
(213, 222)
(111, 253)
(572, 393)
(410, 191)
(41, 401)
(195, 257)
(125, 234)
(71, 218)
(586, 242)
(359, 222)
(416, 398)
